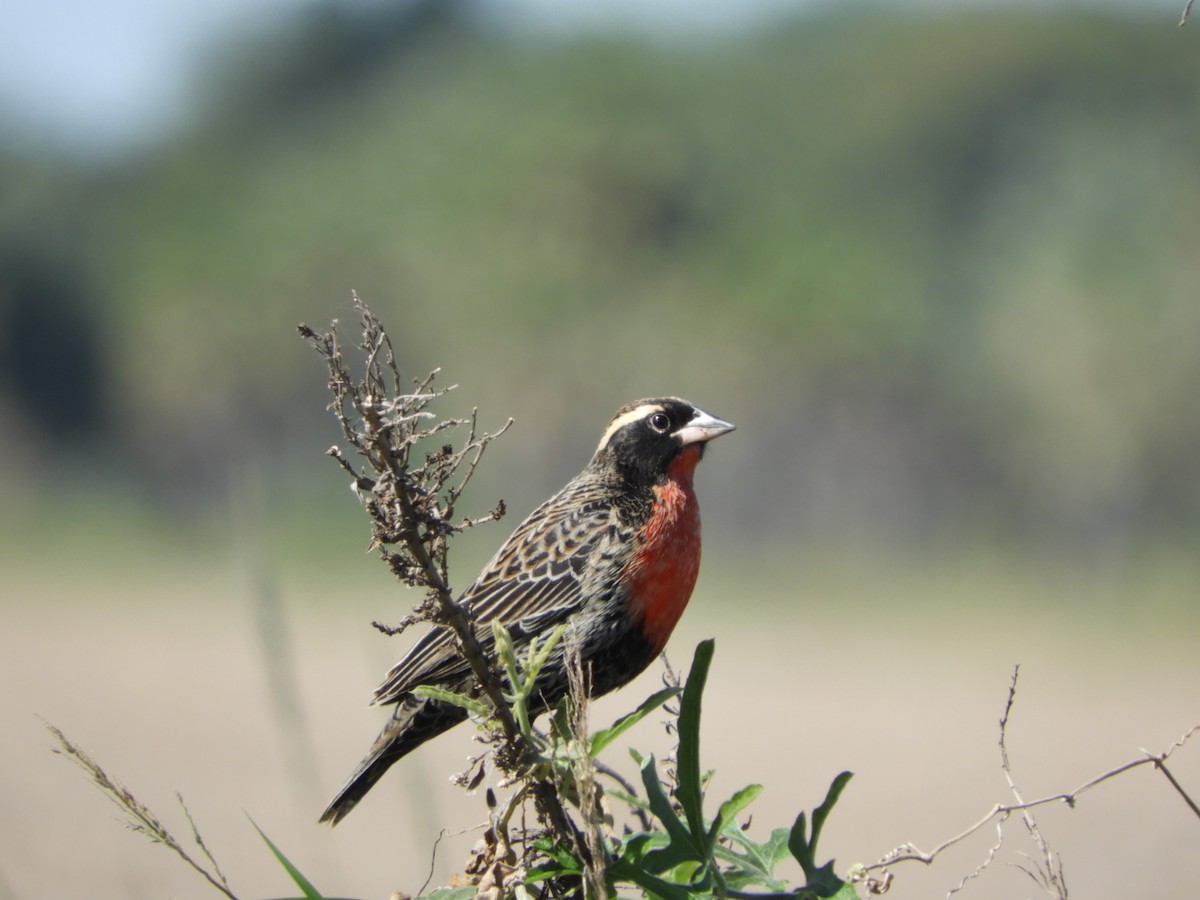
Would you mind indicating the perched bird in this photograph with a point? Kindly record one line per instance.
(614, 555)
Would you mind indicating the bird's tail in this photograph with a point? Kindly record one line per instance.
(413, 723)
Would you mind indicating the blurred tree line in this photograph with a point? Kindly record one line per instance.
(939, 267)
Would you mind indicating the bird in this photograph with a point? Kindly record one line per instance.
(613, 556)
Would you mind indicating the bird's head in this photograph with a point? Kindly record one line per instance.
(645, 437)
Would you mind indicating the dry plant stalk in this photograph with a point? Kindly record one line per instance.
(584, 770)
(138, 816)
(1048, 871)
(411, 500)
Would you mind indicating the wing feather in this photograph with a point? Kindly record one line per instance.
(534, 581)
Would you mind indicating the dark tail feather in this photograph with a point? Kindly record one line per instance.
(412, 724)
(369, 771)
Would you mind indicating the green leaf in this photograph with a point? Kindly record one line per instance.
(661, 806)
(606, 736)
(731, 807)
(824, 882)
(506, 651)
(465, 892)
(558, 862)
(762, 857)
(799, 846)
(622, 870)
(747, 863)
(847, 892)
(683, 847)
(690, 792)
(775, 848)
(635, 846)
(538, 654)
(561, 720)
(628, 799)
(473, 705)
(740, 872)
(821, 879)
(310, 892)
(821, 813)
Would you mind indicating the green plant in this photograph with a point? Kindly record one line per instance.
(678, 853)
(683, 852)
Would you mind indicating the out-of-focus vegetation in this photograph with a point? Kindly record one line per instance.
(942, 271)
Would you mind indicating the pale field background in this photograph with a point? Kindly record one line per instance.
(896, 672)
(937, 261)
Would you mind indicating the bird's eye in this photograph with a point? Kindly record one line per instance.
(660, 422)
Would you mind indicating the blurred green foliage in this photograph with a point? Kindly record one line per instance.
(939, 268)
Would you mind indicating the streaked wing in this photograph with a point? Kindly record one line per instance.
(535, 581)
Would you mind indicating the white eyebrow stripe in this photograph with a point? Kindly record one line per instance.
(626, 418)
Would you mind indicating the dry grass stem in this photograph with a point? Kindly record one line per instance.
(584, 771)
(138, 816)
(200, 841)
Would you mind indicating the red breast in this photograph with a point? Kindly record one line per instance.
(663, 570)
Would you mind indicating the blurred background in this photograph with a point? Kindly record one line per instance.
(938, 261)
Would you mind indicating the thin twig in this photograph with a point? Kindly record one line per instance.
(1050, 872)
(982, 867)
(478, 446)
(1187, 11)
(432, 862)
(911, 853)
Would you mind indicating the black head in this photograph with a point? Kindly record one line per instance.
(644, 437)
